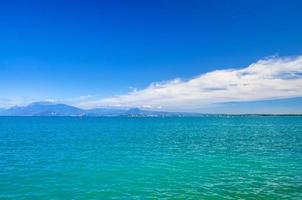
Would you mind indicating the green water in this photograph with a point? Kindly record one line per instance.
(151, 158)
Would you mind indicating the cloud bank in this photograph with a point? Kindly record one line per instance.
(270, 78)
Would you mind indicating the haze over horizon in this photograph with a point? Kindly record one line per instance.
(180, 56)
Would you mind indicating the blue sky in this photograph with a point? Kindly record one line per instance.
(90, 53)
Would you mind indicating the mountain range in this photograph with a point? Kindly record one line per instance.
(53, 109)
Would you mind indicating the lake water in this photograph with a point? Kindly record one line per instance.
(248, 157)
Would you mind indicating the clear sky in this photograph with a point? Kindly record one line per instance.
(114, 53)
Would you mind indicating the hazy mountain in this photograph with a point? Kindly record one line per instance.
(105, 112)
(43, 109)
(139, 112)
(132, 112)
(52, 109)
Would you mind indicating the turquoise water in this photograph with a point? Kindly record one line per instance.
(150, 158)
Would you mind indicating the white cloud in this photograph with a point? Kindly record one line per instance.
(21, 101)
(271, 78)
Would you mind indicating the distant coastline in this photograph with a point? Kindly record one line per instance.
(46, 109)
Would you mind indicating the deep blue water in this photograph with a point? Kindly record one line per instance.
(149, 158)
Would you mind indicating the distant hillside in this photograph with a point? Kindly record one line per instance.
(104, 112)
(136, 112)
(43, 109)
(52, 109)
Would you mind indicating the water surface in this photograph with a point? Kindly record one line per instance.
(148, 158)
